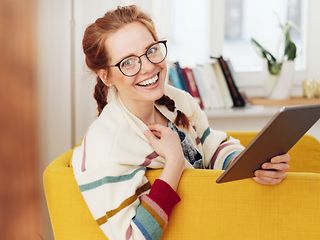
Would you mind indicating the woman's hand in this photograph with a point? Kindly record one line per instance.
(167, 144)
(164, 141)
(273, 172)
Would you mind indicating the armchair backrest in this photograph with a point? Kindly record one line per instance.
(237, 210)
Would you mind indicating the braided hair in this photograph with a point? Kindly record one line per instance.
(181, 119)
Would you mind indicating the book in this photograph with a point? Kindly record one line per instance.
(202, 87)
(188, 74)
(174, 77)
(222, 83)
(214, 95)
(182, 77)
(237, 99)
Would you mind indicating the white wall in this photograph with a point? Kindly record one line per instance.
(54, 77)
(313, 48)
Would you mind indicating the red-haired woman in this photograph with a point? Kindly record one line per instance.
(143, 123)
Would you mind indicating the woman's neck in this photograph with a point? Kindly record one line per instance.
(147, 114)
(145, 111)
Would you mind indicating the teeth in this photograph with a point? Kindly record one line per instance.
(148, 81)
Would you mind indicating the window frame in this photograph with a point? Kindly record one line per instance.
(253, 81)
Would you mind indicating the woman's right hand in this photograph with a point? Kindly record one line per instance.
(167, 144)
(164, 141)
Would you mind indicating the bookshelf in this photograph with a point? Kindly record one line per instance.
(213, 86)
(255, 115)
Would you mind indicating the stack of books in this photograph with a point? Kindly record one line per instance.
(211, 84)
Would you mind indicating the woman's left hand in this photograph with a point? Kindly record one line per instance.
(273, 172)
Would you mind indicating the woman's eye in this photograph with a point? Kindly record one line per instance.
(127, 63)
(152, 50)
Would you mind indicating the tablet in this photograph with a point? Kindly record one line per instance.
(279, 135)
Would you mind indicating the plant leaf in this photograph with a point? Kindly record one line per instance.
(264, 52)
(275, 68)
(291, 51)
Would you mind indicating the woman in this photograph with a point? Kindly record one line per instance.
(143, 123)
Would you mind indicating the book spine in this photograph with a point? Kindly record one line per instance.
(237, 99)
(192, 85)
(174, 78)
(182, 77)
(227, 99)
(212, 86)
(203, 90)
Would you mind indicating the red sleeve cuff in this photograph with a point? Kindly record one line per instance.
(163, 194)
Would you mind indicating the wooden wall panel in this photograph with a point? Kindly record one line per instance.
(19, 163)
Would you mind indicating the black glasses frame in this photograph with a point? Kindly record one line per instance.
(164, 42)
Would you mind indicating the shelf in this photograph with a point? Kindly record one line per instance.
(255, 117)
(285, 102)
(259, 107)
(248, 111)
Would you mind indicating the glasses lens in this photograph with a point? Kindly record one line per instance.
(157, 52)
(130, 66)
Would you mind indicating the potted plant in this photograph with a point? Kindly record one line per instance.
(282, 68)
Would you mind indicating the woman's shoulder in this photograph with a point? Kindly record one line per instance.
(98, 141)
(107, 123)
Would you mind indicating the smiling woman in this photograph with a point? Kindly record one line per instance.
(143, 123)
(130, 80)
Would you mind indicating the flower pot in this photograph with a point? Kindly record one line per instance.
(283, 83)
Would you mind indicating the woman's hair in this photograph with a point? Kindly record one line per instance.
(96, 55)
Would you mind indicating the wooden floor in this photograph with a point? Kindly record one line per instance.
(19, 163)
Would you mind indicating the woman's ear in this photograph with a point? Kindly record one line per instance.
(103, 75)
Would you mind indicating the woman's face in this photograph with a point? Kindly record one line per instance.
(148, 84)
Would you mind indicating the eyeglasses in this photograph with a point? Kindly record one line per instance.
(131, 65)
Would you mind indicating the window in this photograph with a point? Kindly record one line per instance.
(189, 34)
(244, 19)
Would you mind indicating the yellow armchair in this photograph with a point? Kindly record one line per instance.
(236, 210)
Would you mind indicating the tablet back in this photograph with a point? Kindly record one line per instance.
(277, 137)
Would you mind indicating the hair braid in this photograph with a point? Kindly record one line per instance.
(100, 95)
(181, 119)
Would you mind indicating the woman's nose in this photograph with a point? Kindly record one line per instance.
(146, 65)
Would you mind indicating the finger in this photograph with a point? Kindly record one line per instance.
(267, 181)
(281, 158)
(157, 127)
(157, 134)
(150, 136)
(270, 174)
(276, 166)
